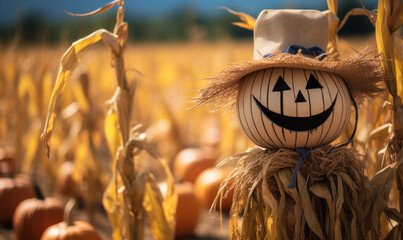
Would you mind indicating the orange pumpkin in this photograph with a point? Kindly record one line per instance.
(7, 164)
(207, 185)
(67, 185)
(33, 216)
(187, 211)
(79, 230)
(69, 230)
(12, 192)
(190, 162)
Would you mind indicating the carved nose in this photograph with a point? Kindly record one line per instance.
(300, 97)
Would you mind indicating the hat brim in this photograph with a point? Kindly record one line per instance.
(363, 76)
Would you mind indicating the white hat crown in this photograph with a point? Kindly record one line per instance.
(276, 30)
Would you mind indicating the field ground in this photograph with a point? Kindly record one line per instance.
(209, 227)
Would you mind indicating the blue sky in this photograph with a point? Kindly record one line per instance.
(10, 10)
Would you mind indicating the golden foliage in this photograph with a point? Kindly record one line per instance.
(248, 22)
(390, 19)
(67, 64)
(132, 196)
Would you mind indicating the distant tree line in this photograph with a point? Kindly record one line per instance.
(181, 25)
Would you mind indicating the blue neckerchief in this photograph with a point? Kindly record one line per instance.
(295, 49)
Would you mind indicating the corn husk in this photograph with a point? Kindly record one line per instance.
(333, 199)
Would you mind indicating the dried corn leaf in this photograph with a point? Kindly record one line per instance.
(134, 214)
(285, 176)
(394, 233)
(81, 158)
(310, 216)
(141, 197)
(382, 184)
(170, 199)
(112, 134)
(272, 203)
(395, 20)
(26, 88)
(385, 43)
(248, 22)
(332, 6)
(392, 213)
(111, 201)
(32, 147)
(399, 62)
(321, 190)
(123, 199)
(160, 226)
(97, 11)
(355, 12)
(282, 205)
(333, 24)
(339, 206)
(81, 99)
(68, 63)
(124, 101)
(380, 132)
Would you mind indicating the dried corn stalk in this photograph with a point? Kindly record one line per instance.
(333, 47)
(132, 196)
(87, 167)
(390, 46)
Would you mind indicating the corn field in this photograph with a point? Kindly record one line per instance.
(117, 101)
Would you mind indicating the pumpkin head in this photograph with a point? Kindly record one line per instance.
(12, 192)
(292, 94)
(293, 108)
(33, 216)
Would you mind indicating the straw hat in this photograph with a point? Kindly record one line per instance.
(275, 31)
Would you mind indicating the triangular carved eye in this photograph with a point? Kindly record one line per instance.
(281, 85)
(313, 83)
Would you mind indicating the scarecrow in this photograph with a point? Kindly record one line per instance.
(293, 100)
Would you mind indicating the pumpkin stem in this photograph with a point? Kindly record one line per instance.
(68, 211)
(38, 192)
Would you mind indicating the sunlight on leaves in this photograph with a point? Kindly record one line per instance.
(95, 12)
(248, 22)
(32, 147)
(68, 63)
(112, 134)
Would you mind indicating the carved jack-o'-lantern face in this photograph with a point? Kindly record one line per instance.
(293, 108)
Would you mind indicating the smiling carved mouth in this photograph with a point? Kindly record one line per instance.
(297, 123)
